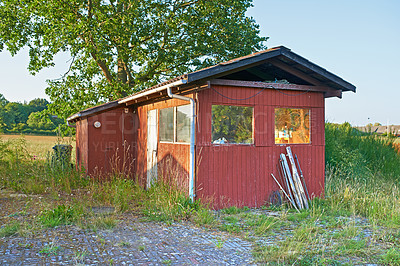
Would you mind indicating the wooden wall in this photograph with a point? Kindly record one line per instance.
(112, 147)
(240, 175)
(173, 159)
(226, 175)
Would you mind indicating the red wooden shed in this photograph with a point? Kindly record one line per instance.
(218, 132)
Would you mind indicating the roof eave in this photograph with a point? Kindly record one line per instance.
(94, 110)
(319, 70)
(224, 69)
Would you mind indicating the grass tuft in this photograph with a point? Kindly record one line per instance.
(10, 229)
(61, 215)
(165, 202)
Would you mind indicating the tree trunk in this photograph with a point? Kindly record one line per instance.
(122, 76)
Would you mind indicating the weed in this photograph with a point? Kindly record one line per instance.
(167, 262)
(306, 232)
(231, 219)
(124, 244)
(298, 216)
(165, 202)
(262, 224)
(117, 191)
(391, 257)
(349, 231)
(359, 155)
(99, 222)
(79, 257)
(286, 252)
(204, 217)
(59, 216)
(232, 210)
(219, 243)
(26, 245)
(10, 229)
(351, 247)
(231, 228)
(141, 247)
(50, 249)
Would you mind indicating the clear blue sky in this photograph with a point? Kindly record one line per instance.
(356, 40)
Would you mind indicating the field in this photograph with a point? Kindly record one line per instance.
(358, 221)
(40, 146)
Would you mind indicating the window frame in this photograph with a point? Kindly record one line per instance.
(252, 125)
(174, 141)
(309, 130)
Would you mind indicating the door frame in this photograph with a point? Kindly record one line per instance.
(152, 146)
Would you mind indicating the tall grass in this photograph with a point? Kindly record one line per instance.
(363, 174)
(166, 202)
(361, 156)
(60, 180)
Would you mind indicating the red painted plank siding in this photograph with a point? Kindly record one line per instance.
(240, 174)
(112, 147)
(173, 159)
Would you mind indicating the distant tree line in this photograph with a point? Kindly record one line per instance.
(28, 117)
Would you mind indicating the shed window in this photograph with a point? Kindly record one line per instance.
(175, 124)
(232, 124)
(183, 123)
(292, 126)
(167, 124)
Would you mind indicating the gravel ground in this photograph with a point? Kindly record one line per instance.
(132, 242)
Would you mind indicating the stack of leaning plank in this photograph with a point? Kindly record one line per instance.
(294, 187)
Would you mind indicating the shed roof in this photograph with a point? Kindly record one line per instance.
(278, 63)
(94, 110)
(274, 63)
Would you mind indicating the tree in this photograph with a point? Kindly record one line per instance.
(121, 46)
(41, 121)
(3, 101)
(38, 104)
(18, 111)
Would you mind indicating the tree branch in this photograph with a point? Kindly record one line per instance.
(69, 69)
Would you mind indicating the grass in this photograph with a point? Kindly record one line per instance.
(39, 146)
(61, 215)
(11, 229)
(74, 194)
(391, 257)
(357, 222)
(164, 202)
(50, 249)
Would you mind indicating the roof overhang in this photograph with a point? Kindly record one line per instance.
(264, 67)
(143, 94)
(281, 58)
(93, 110)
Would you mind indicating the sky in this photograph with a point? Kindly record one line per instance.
(357, 40)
